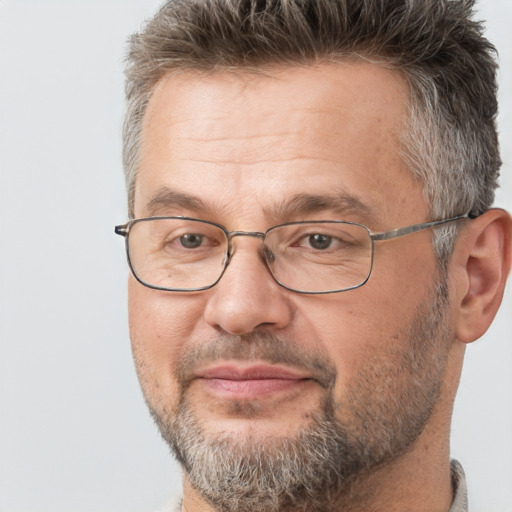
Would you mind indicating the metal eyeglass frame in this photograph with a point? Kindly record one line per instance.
(124, 231)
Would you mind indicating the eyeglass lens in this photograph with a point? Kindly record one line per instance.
(182, 254)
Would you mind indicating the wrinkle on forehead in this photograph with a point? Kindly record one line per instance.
(249, 143)
(167, 201)
(246, 105)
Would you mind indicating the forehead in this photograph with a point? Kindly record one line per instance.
(237, 138)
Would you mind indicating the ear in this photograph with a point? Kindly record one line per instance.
(480, 265)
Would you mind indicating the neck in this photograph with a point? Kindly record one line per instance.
(419, 480)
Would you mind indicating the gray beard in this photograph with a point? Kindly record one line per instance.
(383, 412)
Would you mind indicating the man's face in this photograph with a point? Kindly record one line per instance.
(249, 363)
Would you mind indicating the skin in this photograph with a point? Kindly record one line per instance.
(244, 145)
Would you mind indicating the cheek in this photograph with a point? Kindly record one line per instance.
(160, 325)
(367, 323)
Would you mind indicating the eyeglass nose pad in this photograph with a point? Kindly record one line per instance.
(227, 256)
(269, 255)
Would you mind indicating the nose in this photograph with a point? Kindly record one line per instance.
(247, 298)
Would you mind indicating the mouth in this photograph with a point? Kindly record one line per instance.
(251, 382)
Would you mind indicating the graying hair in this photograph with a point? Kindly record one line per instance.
(450, 142)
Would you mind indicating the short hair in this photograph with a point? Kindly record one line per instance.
(449, 142)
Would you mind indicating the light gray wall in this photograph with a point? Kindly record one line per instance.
(74, 432)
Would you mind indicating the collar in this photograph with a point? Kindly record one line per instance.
(460, 491)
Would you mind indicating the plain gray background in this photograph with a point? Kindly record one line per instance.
(74, 432)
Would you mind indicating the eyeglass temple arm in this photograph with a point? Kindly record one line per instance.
(395, 233)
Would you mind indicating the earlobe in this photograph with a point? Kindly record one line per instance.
(482, 260)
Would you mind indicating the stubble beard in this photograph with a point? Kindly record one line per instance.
(380, 417)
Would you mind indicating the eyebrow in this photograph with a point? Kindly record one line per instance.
(341, 203)
(302, 204)
(165, 199)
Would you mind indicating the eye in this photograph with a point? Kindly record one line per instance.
(191, 240)
(324, 241)
(319, 241)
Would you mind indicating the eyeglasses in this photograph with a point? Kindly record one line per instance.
(183, 254)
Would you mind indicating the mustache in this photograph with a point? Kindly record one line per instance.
(262, 346)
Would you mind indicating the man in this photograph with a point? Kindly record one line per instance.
(312, 245)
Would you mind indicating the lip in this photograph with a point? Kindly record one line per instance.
(250, 382)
